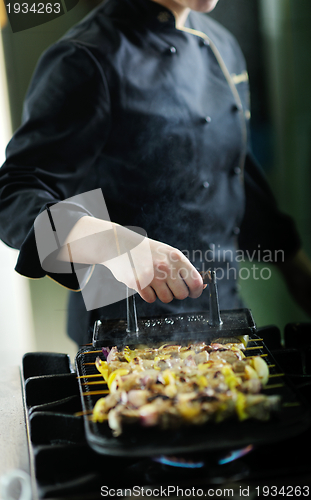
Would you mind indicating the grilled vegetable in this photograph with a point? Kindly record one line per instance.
(177, 385)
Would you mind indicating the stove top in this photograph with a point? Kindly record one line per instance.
(63, 466)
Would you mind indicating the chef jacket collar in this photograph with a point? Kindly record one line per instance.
(145, 13)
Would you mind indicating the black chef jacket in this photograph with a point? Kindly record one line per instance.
(156, 117)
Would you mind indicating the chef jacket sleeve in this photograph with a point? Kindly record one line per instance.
(264, 226)
(65, 123)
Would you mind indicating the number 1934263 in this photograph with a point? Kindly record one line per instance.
(35, 8)
(283, 491)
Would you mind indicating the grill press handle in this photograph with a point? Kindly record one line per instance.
(131, 315)
(214, 315)
(214, 319)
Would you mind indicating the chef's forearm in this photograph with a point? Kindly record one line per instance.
(91, 241)
(97, 241)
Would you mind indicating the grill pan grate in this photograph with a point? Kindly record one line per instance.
(136, 441)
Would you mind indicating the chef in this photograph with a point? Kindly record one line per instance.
(147, 101)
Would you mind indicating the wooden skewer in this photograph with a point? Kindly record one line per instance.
(100, 382)
(255, 340)
(90, 376)
(88, 364)
(261, 355)
(86, 412)
(91, 352)
(254, 347)
(271, 366)
(273, 386)
(81, 413)
(86, 345)
(93, 393)
(288, 405)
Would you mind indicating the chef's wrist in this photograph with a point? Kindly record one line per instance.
(91, 241)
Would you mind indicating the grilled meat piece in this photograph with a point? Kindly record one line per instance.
(252, 386)
(182, 385)
(260, 406)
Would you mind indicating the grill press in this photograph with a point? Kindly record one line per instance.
(174, 328)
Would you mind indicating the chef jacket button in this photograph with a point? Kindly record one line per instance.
(237, 107)
(164, 17)
(205, 184)
(236, 230)
(237, 170)
(172, 50)
(207, 119)
(204, 42)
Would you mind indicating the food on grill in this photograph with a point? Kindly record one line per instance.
(177, 385)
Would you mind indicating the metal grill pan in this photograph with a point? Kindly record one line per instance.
(136, 441)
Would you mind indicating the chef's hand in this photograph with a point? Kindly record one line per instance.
(297, 274)
(166, 271)
(156, 269)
